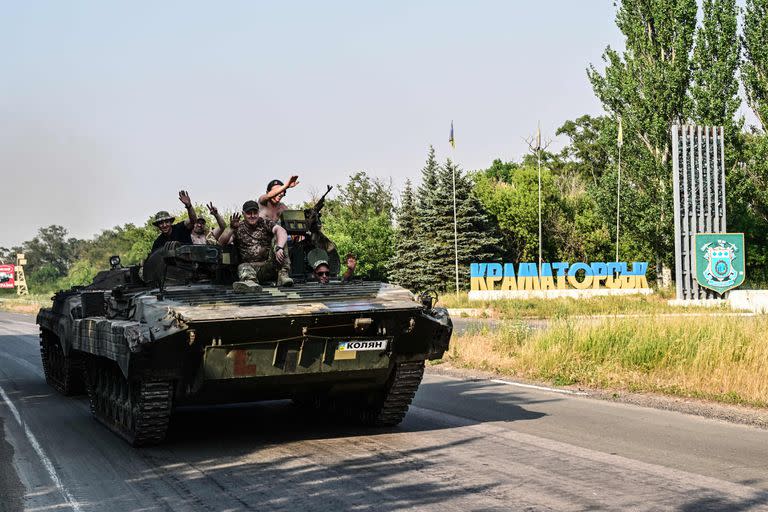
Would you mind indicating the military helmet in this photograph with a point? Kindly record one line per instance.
(161, 216)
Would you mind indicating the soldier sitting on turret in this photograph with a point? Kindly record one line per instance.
(270, 204)
(261, 260)
(170, 232)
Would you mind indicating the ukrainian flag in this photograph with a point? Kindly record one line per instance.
(620, 139)
(451, 140)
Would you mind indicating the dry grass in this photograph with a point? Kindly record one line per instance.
(655, 303)
(718, 358)
(25, 304)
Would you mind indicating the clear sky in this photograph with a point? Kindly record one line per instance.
(107, 109)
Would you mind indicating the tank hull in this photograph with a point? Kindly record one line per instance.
(360, 344)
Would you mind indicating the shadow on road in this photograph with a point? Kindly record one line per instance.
(480, 401)
(325, 477)
(719, 503)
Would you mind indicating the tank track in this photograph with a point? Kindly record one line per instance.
(139, 411)
(62, 373)
(389, 410)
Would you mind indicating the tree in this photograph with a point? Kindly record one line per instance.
(404, 268)
(715, 88)
(647, 87)
(51, 249)
(514, 205)
(428, 222)
(359, 221)
(747, 183)
(754, 71)
(592, 144)
(474, 231)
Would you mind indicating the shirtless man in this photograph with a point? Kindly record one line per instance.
(271, 204)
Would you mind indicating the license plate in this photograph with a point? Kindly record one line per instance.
(361, 345)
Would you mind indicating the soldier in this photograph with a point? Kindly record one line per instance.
(179, 232)
(270, 204)
(322, 271)
(201, 235)
(260, 259)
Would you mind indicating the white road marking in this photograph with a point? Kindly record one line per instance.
(40, 453)
(540, 388)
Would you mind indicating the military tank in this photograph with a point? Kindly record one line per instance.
(144, 340)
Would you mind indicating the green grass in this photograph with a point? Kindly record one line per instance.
(655, 303)
(717, 358)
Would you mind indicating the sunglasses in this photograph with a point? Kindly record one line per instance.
(323, 274)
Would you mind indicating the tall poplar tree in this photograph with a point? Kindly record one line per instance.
(647, 87)
(754, 71)
(749, 182)
(715, 89)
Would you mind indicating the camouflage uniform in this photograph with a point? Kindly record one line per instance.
(256, 251)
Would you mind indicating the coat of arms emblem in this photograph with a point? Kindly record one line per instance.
(719, 260)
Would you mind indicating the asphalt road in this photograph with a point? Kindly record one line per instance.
(464, 446)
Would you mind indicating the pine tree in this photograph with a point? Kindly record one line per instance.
(440, 264)
(428, 225)
(473, 230)
(404, 266)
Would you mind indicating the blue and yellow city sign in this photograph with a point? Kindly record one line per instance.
(720, 261)
(558, 276)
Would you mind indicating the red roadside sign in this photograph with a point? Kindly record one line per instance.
(7, 276)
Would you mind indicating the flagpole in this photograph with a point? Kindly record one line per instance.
(618, 198)
(619, 143)
(455, 223)
(538, 158)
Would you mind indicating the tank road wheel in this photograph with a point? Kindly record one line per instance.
(62, 373)
(388, 409)
(139, 411)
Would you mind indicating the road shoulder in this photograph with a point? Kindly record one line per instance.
(724, 412)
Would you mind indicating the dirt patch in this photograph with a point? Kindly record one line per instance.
(30, 309)
(731, 413)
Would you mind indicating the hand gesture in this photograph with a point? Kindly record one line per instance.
(280, 256)
(184, 198)
(214, 211)
(234, 221)
(292, 182)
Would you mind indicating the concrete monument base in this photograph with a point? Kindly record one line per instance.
(553, 294)
(751, 300)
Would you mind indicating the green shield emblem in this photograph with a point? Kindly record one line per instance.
(720, 260)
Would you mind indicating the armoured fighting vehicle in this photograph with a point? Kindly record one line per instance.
(144, 340)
